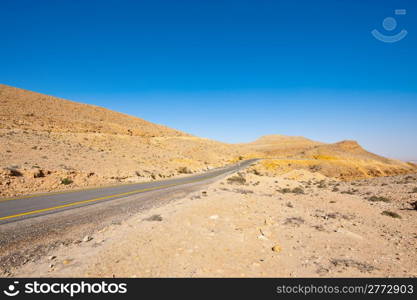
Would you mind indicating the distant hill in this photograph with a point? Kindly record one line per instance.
(344, 160)
(281, 145)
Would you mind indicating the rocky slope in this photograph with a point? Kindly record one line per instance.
(47, 143)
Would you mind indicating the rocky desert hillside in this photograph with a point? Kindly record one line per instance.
(48, 143)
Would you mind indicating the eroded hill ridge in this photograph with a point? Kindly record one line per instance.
(48, 143)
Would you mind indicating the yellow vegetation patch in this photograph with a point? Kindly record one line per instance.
(273, 164)
(324, 157)
(345, 169)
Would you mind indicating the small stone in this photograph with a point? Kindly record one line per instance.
(276, 248)
(38, 174)
(157, 218)
(87, 238)
(214, 217)
(265, 232)
(52, 257)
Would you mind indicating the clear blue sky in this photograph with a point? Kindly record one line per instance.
(226, 70)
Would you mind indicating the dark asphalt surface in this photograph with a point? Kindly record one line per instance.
(29, 206)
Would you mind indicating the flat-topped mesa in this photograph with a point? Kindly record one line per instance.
(349, 145)
(345, 160)
(279, 138)
(347, 150)
(280, 145)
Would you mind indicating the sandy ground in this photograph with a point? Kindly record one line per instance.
(257, 226)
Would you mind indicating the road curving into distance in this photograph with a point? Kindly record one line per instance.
(29, 206)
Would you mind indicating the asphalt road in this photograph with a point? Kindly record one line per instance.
(29, 206)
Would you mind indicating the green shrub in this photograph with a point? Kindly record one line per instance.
(14, 172)
(391, 214)
(66, 181)
(350, 192)
(297, 190)
(321, 184)
(157, 218)
(378, 199)
(237, 179)
(256, 172)
(184, 170)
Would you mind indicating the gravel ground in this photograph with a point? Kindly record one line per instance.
(257, 226)
(29, 240)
